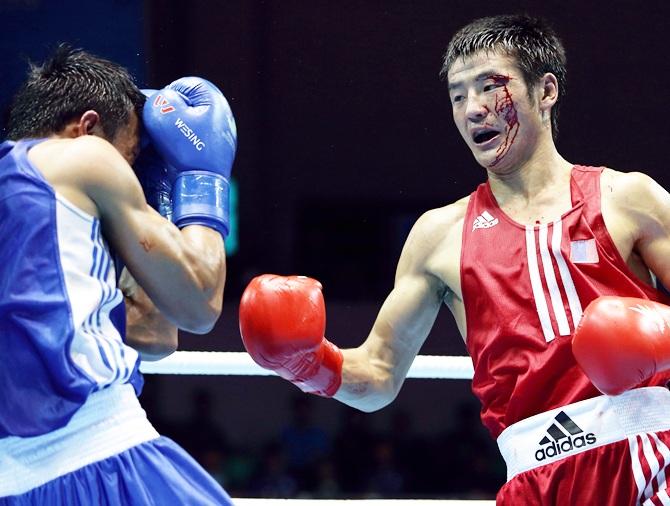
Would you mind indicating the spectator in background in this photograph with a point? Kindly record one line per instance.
(304, 444)
(272, 478)
(202, 435)
(352, 452)
(386, 479)
(473, 462)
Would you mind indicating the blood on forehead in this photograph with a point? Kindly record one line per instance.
(500, 78)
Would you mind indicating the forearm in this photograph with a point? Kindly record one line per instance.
(282, 324)
(181, 266)
(153, 336)
(183, 271)
(206, 261)
(147, 330)
(368, 384)
(373, 373)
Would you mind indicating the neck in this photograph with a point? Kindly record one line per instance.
(544, 169)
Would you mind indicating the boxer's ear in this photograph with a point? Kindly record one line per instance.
(89, 123)
(548, 91)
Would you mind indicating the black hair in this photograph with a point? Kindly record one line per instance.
(530, 40)
(70, 82)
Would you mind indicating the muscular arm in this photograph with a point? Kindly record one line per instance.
(373, 373)
(642, 207)
(147, 330)
(182, 271)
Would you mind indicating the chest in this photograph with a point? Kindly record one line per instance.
(614, 228)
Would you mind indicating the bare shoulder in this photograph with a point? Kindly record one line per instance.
(634, 192)
(81, 160)
(442, 220)
(97, 159)
(86, 167)
(436, 230)
(627, 185)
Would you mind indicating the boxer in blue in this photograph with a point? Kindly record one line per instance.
(72, 214)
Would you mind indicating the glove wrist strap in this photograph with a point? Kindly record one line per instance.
(324, 376)
(201, 198)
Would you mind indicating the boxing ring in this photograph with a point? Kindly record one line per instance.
(359, 502)
(241, 364)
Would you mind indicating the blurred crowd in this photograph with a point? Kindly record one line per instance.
(306, 461)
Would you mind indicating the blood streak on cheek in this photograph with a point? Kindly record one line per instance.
(506, 109)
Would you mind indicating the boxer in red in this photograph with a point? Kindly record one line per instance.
(518, 262)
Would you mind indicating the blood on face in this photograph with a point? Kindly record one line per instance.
(505, 108)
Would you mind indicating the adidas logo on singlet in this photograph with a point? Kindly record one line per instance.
(563, 436)
(484, 220)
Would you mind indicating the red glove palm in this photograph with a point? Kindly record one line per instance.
(282, 322)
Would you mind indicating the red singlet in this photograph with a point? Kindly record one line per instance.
(524, 289)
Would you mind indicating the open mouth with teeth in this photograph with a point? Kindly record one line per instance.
(484, 136)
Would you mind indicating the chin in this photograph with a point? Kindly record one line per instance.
(486, 160)
(503, 166)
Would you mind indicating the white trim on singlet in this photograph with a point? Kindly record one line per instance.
(549, 251)
(97, 347)
(568, 284)
(536, 284)
(550, 277)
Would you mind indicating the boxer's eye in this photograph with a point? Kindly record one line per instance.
(490, 87)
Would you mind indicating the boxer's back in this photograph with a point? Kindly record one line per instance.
(62, 315)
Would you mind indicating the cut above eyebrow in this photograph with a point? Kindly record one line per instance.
(487, 74)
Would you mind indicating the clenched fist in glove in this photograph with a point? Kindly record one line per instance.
(282, 322)
(191, 127)
(621, 342)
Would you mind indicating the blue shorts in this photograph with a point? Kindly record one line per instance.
(108, 454)
(158, 472)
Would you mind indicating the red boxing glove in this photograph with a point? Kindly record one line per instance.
(282, 322)
(622, 341)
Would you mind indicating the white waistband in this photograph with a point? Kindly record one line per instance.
(582, 426)
(110, 422)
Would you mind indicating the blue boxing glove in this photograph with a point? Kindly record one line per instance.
(192, 128)
(154, 173)
(156, 178)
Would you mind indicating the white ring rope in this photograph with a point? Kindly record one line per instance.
(359, 502)
(241, 364)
